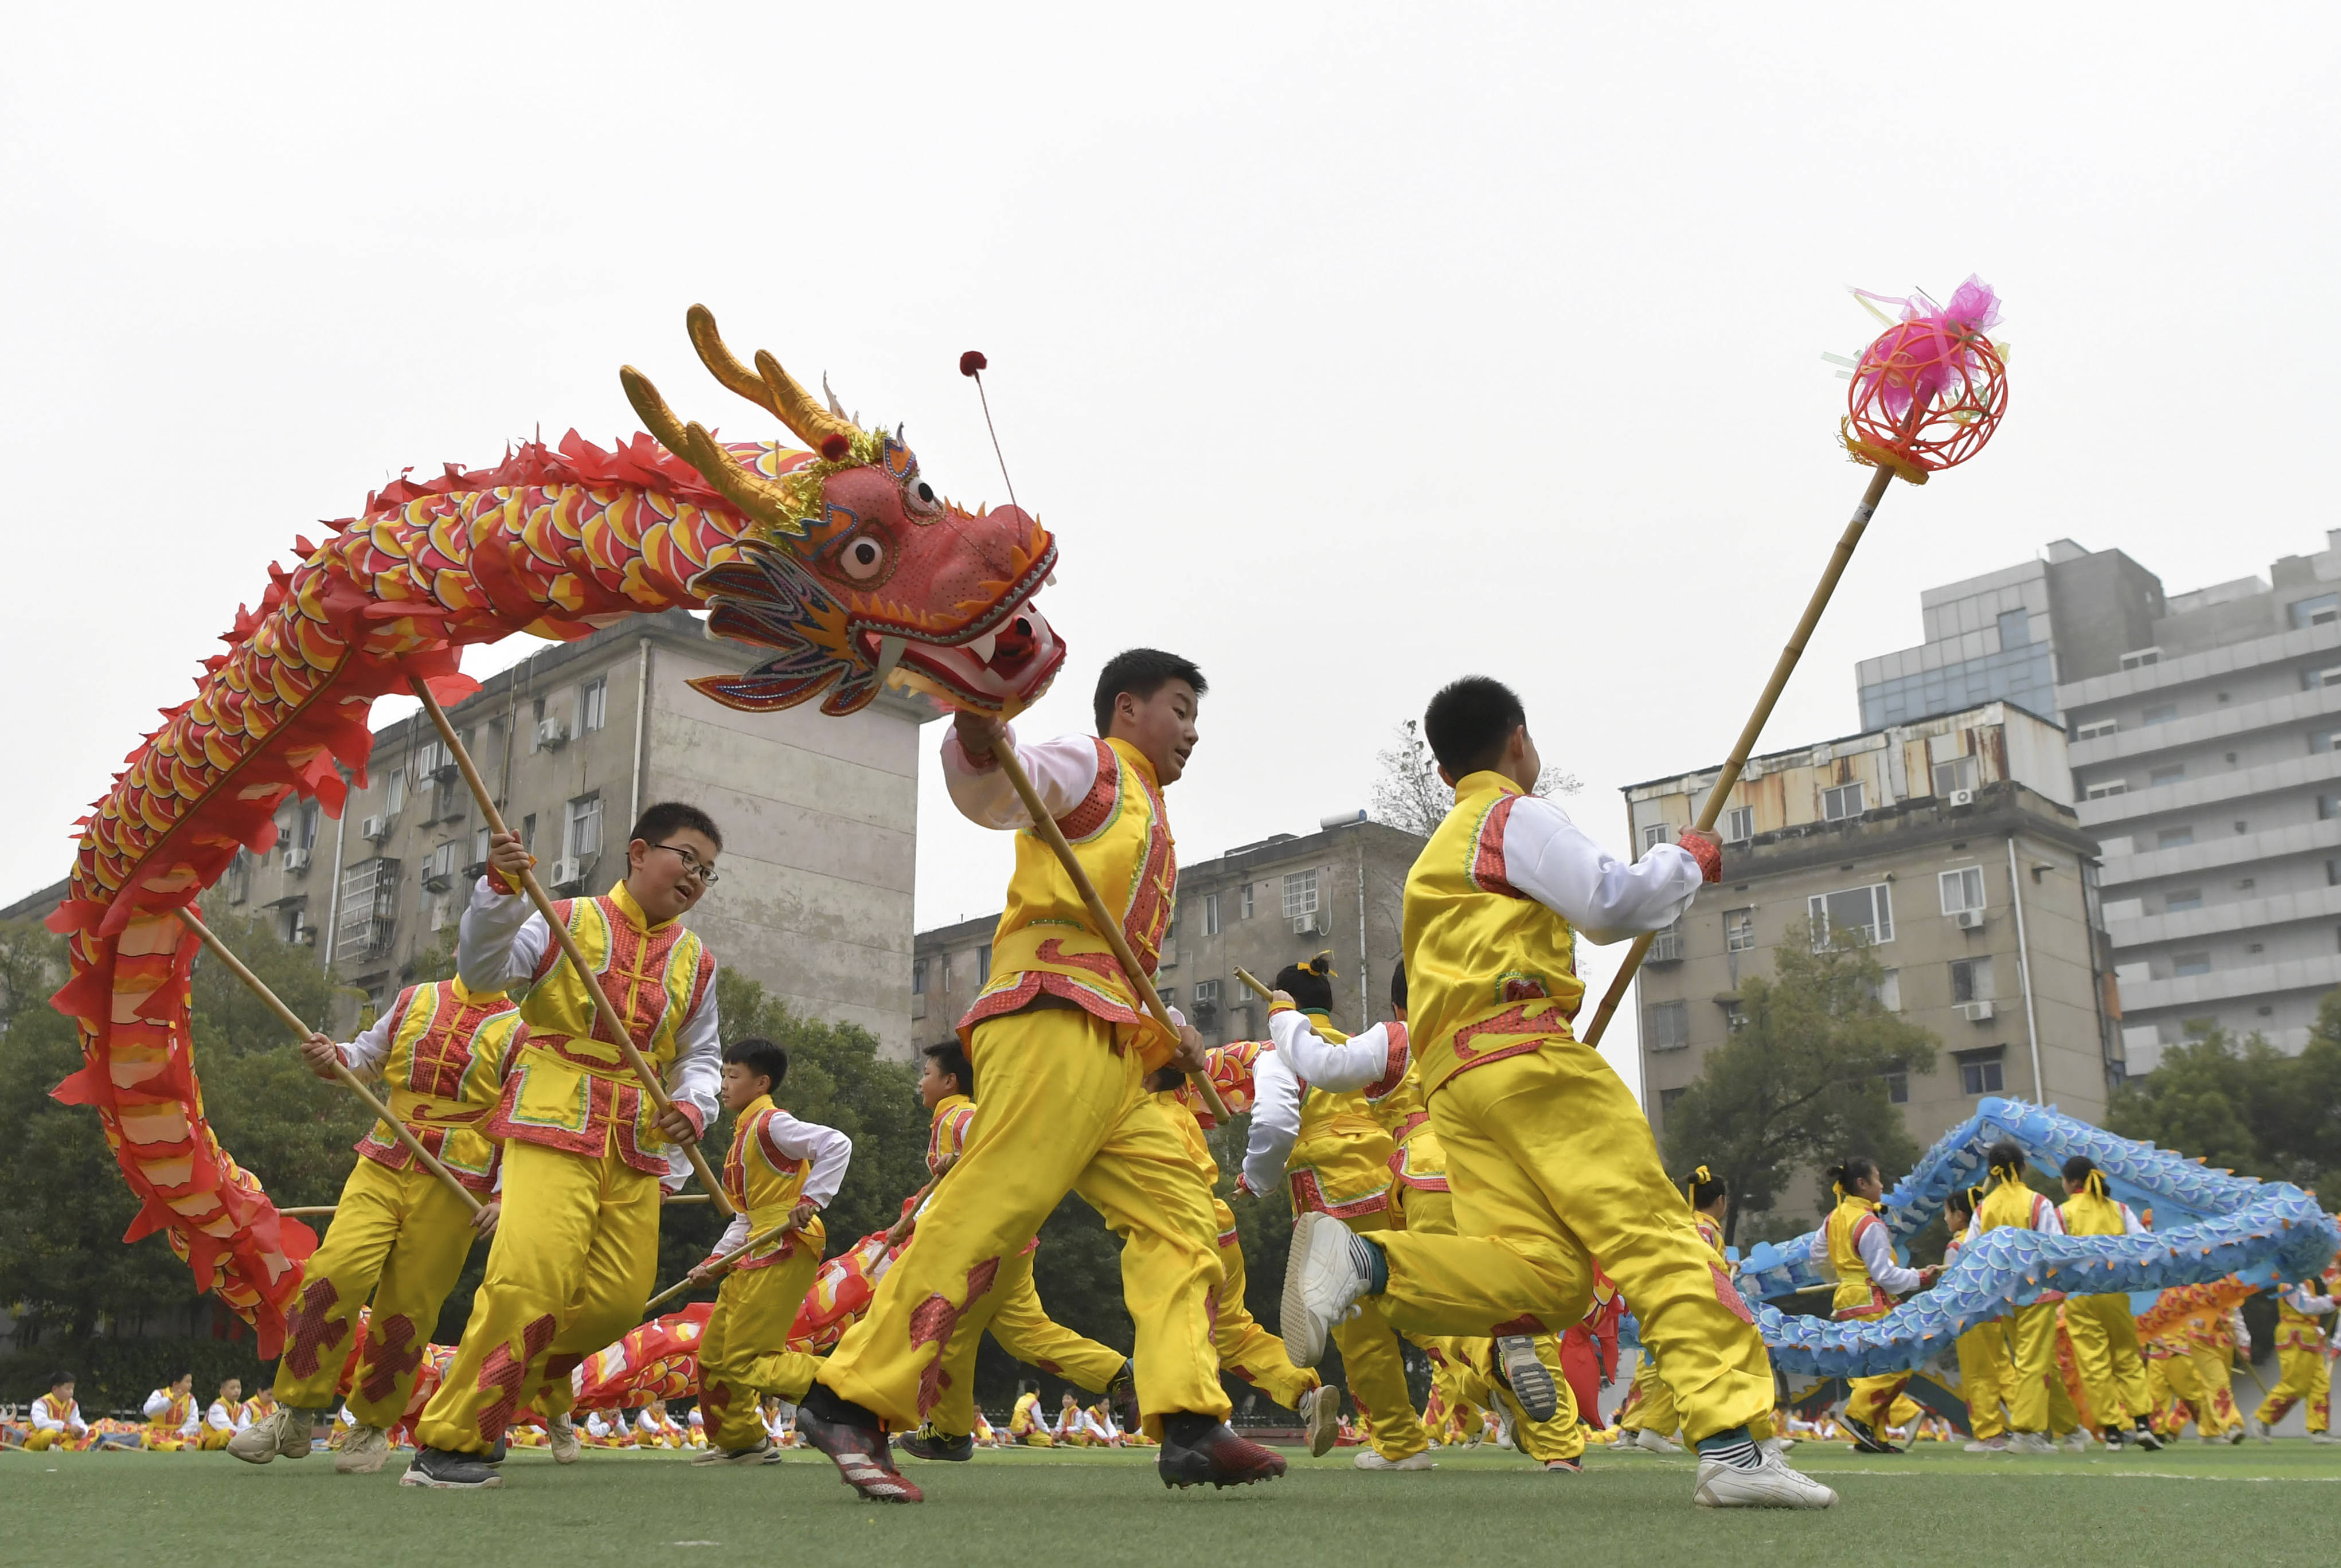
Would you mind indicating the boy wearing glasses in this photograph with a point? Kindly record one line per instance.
(584, 1147)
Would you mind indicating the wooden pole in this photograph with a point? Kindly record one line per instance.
(302, 1031)
(612, 1021)
(721, 1264)
(1108, 927)
(1324, 1031)
(1781, 669)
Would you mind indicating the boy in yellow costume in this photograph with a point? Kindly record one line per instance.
(2007, 1203)
(2300, 1354)
(2102, 1329)
(1020, 1323)
(1861, 1260)
(585, 1146)
(170, 1411)
(1342, 1122)
(1646, 1420)
(1551, 1159)
(1026, 1424)
(779, 1169)
(398, 1237)
(1985, 1374)
(56, 1420)
(1063, 1049)
(221, 1420)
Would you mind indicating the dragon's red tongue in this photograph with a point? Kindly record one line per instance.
(1015, 647)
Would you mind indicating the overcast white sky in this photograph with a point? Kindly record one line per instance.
(1347, 348)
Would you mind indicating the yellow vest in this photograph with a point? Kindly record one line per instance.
(1341, 1159)
(445, 1073)
(1044, 944)
(173, 1419)
(1858, 1296)
(571, 1091)
(1027, 1417)
(2298, 1330)
(2084, 1214)
(1710, 1233)
(2008, 1204)
(1491, 972)
(953, 1119)
(764, 1183)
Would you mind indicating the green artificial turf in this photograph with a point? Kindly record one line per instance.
(2258, 1504)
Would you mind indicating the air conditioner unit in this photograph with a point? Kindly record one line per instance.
(1962, 796)
(1969, 919)
(376, 827)
(1976, 1012)
(566, 870)
(550, 732)
(437, 881)
(1309, 925)
(295, 859)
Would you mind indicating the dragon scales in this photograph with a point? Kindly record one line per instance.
(841, 559)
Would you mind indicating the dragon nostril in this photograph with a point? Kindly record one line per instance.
(1023, 627)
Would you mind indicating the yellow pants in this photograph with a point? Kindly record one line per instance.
(399, 1239)
(1374, 1366)
(570, 1269)
(1649, 1404)
(1036, 1438)
(1872, 1399)
(745, 1353)
(2105, 1348)
(1025, 1331)
(2032, 1367)
(212, 1439)
(1245, 1348)
(2215, 1368)
(1553, 1165)
(2305, 1376)
(1986, 1376)
(1061, 1112)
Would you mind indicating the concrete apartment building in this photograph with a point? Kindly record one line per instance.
(1953, 845)
(819, 817)
(1258, 906)
(2202, 752)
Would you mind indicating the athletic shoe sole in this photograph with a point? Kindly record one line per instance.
(1312, 1234)
(1531, 1382)
(1324, 1424)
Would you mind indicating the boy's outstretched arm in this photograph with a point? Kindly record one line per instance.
(1062, 772)
(1545, 856)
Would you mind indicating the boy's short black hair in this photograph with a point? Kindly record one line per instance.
(948, 1057)
(758, 1055)
(1398, 984)
(1141, 672)
(59, 1379)
(1164, 1078)
(670, 816)
(1470, 722)
(1310, 990)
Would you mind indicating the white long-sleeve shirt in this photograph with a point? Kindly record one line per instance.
(500, 944)
(829, 1150)
(1877, 1250)
(1303, 1059)
(46, 1421)
(2300, 1298)
(158, 1403)
(1062, 771)
(1550, 857)
(220, 1417)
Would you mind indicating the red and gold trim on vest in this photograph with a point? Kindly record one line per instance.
(1308, 1197)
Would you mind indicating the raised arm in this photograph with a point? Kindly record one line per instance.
(1549, 858)
(1062, 772)
(1275, 1123)
(501, 940)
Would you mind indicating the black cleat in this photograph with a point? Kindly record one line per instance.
(1865, 1437)
(445, 1468)
(1216, 1455)
(926, 1442)
(861, 1456)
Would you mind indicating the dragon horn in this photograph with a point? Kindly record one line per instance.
(753, 493)
(772, 390)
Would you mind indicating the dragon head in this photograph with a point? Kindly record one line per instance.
(853, 567)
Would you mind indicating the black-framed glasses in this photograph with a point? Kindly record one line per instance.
(692, 866)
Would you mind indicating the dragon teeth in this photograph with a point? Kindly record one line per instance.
(982, 647)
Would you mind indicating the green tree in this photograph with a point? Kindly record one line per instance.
(1801, 1082)
(2244, 1106)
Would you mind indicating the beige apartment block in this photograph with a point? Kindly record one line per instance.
(1951, 845)
(819, 817)
(1258, 907)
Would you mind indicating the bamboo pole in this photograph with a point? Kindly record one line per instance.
(722, 1263)
(302, 1031)
(1108, 927)
(612, 1021)
(1781, 669)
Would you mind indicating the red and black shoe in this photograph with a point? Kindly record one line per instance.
(1210, 1451)
(861, 1455)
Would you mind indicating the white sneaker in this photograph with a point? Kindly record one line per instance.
(2323, 1437)
(2029, 1442)
(1321, 1417)
(282, 1432)
(1650, 1441)
(1988, 1445)
(2263, 1431)
(1323, 1278)
(2076, 1442)
(1778, 1445)
(560, 1436)
(1368, 1460)
(1530, 1379)
(364, 1451)
(1771, 1485)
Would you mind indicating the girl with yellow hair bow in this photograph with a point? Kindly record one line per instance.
(2105, 1335)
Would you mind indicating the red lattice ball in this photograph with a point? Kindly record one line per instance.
(1931, 390)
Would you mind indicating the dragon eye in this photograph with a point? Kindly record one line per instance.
(919, 497)
(863, 558)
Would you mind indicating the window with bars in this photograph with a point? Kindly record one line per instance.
(369, 909)
(1207, 1005)
(1299, 894)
